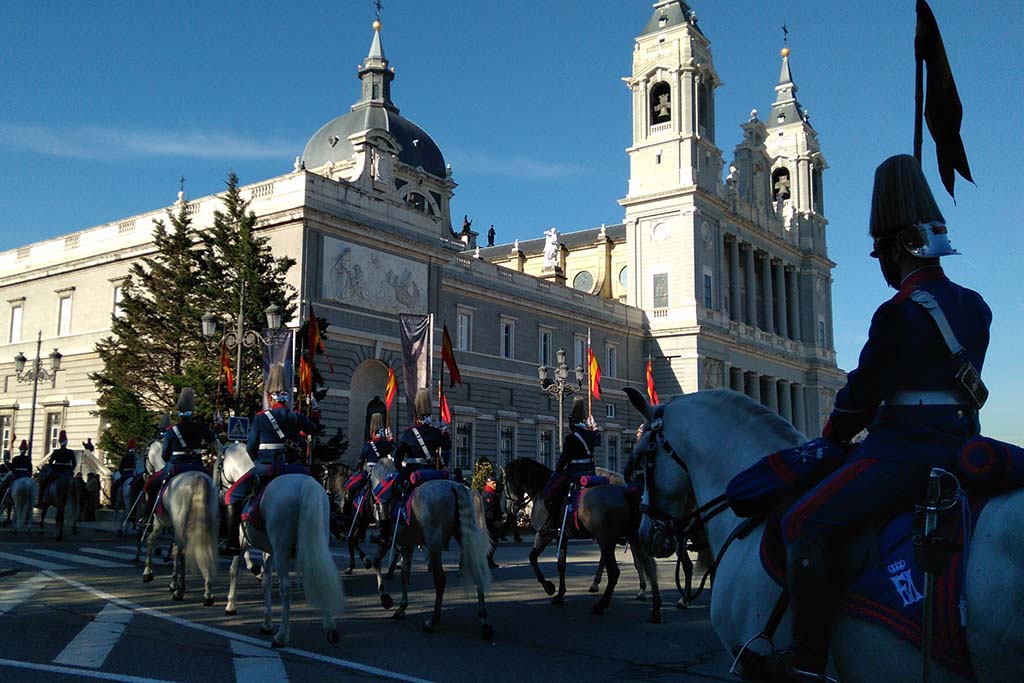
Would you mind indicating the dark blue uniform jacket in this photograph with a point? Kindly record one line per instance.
(63, 460)
(438, 443)
(194, 434)
(291, 423)
(375, 449)
(577, 457)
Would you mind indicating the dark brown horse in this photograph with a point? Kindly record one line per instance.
(67, 494)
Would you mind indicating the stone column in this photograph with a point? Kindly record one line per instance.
(799, 420)
(785, 400)
(768, 315)
(726, 375)
(748, 254)
(753, 381)
(794, 304)
(779, 271)
(734, 280)
(771, 388)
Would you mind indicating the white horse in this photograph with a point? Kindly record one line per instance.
(440, 509)
(22, 493)
(190, 507)
(296, 513)
(127, 500)
(720, 433)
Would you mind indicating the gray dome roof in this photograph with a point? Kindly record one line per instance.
(418, 149)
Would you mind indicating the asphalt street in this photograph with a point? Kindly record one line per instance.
(78, 610)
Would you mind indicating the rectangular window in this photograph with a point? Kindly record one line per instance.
(463, 331)
(544, 346)
(506, 444)
(660, 289)
(821, 333)
(16, 314)
(613, 453)
(579, 351)
(609, 410)
(6, 424)
(508, 338)
(612, 366)
(64, 316)
(52, 431)
(118, 312)
(547, 447)
(463, 444)
(707, 291)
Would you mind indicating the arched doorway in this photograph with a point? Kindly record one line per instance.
(368, 383)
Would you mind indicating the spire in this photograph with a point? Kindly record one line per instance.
(376, 74)
(786, 110)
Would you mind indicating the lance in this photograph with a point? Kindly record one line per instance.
(931, 521)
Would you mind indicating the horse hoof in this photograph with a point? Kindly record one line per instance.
(549, 588)
(265, 631)
(208, 602)
(256, 570)
(642, 597)
(558, 600)
(682, 604)
(146, 578)
(398, 615)
(487, 631)
(654, 618)
(348, 572)
(428, 627)
(367, 564)
(333, 637)
(230, 612)
(386, 602)
(593, 588)
(277, 646)
(177, 597)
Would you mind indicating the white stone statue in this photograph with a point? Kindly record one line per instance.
(515, 245)
(551, 248)
(297, 166)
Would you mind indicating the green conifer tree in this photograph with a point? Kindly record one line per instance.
(482, 471)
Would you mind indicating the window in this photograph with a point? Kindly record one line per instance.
(506, 444)
(624, 277)
(16, 314)
(661, 105)
(660, 288)
(64, 316)
(579, 351)
(609, 410)
(52, 430)
(584, 281)
(463, 444)
(547, 447)
(508, 338)
(821, 333)
(612, 457)
(463, 330)
(707, 291)
(118, 312)
(611, 368)
(544, 346)
(6, 424)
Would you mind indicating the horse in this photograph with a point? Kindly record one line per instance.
(355, 532)
(65, 493)
(21, 494)
(190, 508)
(440, 509)
(296, 512)
(719, 433)
(604, 512)
(128, 498)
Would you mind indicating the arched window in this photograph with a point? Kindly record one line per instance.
(704, 108)
(661, 103)
(781, 184)
(420, 203)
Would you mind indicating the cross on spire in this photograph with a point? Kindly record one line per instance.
(376, 3)
(181, 184)
(785, 35)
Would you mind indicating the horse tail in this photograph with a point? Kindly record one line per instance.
(200, 537)
(73, 500)
(23, 493)
(475, 542)
(319, 574)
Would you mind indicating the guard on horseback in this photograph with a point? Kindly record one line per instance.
(917, 391)
(126, 467)
(183, 444)
(276, 437)
(577, 460)
(380, 445)
(62, 464)
(17, 467)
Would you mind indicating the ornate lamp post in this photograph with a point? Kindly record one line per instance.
(560, 387)
(34, 375)
(239, 336)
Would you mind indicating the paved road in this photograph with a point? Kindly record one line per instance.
(78, 610)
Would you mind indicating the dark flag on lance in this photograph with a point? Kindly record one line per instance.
(942, 108)
(416, 341)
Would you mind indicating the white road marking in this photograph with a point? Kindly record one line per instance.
(94, 642)
(108, 553)
(82, 559)
(80, 673)
(32, 562)
(230, 635)
(257, 664)
(13, 597)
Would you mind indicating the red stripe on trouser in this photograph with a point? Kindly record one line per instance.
(797, 517)
(230, 492)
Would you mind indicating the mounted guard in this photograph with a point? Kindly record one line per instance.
(276, 438)
(577, 460)
(62, 464)
(16, 468)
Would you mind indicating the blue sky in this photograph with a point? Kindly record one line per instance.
(105, 105)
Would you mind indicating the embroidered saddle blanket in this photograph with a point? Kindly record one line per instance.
(251, 513)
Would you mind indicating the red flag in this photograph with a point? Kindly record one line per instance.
(305, 376)
(446, 411)
(594, 374)
(942, 110)
(225, 363)
(316, 343)
(448, 354)
(391, 389)
(652, 395)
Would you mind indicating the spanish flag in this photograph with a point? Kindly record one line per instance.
(390, 390)
(446, 411)
(316, 342)
(305, 376)
(448, 355)
(652, 395)
(593, 374)
(225, 363)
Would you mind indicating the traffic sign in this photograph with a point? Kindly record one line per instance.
(238, 428)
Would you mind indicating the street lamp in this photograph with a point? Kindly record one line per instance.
(559, 387)
(38, 372)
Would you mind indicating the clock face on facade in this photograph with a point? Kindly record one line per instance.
(624, 277)
(583, 281)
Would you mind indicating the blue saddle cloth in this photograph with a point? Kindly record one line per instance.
(764, 485)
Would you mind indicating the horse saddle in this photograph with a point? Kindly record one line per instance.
(417, 478)
(251, 513)
(356, 481)
(587, 481)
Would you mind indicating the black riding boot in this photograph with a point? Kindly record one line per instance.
(554, 523)
(232, 522)
(814, 600)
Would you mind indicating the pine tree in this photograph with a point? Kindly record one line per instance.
(482, 471)
(156, 342)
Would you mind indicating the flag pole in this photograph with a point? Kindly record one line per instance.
(918, 99)
(590, 379)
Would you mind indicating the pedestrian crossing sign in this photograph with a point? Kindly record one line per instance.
(238, 428)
